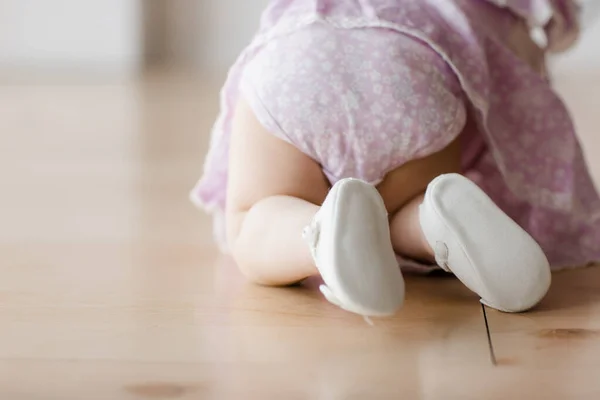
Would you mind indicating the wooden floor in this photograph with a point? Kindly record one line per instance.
(110, 287)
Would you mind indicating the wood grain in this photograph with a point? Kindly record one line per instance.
(111, 287)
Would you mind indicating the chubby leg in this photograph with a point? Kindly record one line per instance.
(473, 238)
(274, 192)
(403, 190)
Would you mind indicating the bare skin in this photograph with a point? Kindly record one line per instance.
(275, 190)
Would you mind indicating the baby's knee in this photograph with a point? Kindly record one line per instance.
(246, 264)
(242, 259)
(242, 252)
(233, 221)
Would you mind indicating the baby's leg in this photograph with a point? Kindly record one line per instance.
(403, 191)
(274, 192)
(474, 239)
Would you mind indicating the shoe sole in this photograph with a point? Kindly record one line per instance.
(487, 250)
(364, 275)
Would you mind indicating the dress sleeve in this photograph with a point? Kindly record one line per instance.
(557, 21)
(563, 29)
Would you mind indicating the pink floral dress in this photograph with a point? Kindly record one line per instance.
(363, 86)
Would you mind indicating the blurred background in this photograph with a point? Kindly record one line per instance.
(124, 36)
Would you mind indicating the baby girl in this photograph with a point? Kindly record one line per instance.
(362, 138)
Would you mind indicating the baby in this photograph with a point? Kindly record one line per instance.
(362, 138)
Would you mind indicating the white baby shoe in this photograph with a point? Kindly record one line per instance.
(350, 242)
(482, 246)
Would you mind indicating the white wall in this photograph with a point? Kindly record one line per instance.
(229, 27)
(585, 56)
(205, 33)
(70, 34)
(115, 34)
(174, 30)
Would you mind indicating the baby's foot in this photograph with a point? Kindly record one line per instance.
(482, 246)
(350, 242)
